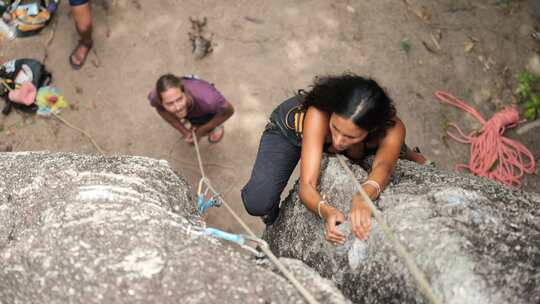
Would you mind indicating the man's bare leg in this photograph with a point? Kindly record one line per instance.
(82, 16)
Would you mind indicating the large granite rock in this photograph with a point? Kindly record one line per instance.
(476, 241)
(89, 229)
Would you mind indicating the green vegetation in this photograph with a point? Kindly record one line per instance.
(465, 95)
(527, 95)
(406, 44)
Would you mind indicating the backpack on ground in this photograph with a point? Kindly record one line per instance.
(15, 72)
(28, 17)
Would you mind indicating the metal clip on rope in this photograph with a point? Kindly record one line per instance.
(239, 239)
(202, 203)
(264, 248)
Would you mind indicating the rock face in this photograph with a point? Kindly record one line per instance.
(476, 241)
(88, 229)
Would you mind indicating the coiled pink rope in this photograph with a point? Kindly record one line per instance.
(493, 155)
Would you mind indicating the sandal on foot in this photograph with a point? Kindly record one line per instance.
(218, 132)
(78, 66)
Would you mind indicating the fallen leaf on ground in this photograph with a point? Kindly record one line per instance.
(423, 12)
(137, 4)
(428, 47)
(436, 38)
(468, 46)
(486, 62)
(254, 20)
(514, 100)
(74, 106)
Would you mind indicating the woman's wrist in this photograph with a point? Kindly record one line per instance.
(359, 203)
(326, 210)
(372, 188)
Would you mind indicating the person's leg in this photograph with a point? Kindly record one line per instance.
(215, 134)
(82, 16)
(275, 162)
(412, 155)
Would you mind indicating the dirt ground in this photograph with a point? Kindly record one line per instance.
(263, 52)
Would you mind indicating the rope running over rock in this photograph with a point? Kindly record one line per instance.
(305, 293)
(417, 274)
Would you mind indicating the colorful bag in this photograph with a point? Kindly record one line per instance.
(16, 72)
(29, 17)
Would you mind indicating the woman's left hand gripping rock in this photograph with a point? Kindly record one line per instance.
(360, 217)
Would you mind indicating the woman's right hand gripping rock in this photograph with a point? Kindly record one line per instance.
(333, 218)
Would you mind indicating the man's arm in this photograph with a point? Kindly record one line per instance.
(217, 120)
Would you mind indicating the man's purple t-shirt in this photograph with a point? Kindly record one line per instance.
(207, 100)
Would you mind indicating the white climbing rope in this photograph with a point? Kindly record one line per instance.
(304, 292)
(417, 274)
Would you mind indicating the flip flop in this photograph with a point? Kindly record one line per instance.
(216, 130)
(80, 44)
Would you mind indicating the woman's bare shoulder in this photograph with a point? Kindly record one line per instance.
(316, 122)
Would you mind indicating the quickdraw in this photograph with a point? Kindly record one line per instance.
(202, 203)
(242, 240)
(239, 239)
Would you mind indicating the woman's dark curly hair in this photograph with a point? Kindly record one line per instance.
(353, 97)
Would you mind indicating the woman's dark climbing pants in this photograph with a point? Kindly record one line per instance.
(276, 159)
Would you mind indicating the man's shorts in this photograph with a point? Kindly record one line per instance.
(77, 2)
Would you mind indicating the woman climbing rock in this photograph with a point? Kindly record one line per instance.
(345, 114)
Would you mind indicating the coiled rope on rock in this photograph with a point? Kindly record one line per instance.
(492, 155)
